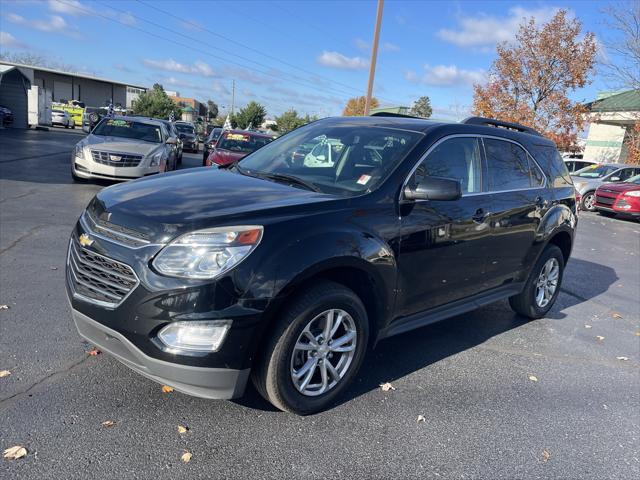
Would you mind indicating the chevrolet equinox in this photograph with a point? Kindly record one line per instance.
(286, 273)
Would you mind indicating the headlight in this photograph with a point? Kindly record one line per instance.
(199, 336)
(155, 160)
(207, 253)
(634, 193)
(77, 151)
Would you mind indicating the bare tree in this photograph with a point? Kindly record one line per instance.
(622, 57)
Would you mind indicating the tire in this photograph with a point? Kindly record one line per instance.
(588, 202)
(526, 303)
(180, 159)
(273, 374)
(66, 125)
(93, 116)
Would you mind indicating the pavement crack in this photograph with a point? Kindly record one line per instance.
(30, 232)
(44, 380)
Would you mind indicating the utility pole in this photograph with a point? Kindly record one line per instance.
(374, 56)
(233, 95)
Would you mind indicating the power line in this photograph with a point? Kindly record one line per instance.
(266, 55)
(189, 46)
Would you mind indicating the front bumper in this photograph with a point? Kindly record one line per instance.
(204, 382)
(86, 168)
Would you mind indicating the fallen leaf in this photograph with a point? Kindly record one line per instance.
(94, 352)
(4, 307)
(15, 453)
(386, 387)
(167, 389)
(545, 456)
(616, 315)
(182, 429)
(186, 457)
(4, 373)
(599, 338)
(624, 359)
(587, 326)
(108, 423)
(637, 334)
(533, 378)
(421, 419)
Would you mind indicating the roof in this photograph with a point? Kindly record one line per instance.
(249, 132)
(628, 101)
(148, 120)
(71, 74)
(7, 68)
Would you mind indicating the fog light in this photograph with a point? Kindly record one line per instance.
(204, 336)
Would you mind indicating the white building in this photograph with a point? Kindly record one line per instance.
(611, 118)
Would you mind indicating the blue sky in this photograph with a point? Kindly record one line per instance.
(309, 55)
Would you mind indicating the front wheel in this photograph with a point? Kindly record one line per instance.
(589, 201)
(315, 351)
(543, 285)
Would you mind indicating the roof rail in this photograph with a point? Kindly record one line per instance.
(391, 114)
(491, 122)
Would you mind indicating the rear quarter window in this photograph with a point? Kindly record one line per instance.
(553, 165)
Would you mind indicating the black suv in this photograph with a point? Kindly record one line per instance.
(202, 278)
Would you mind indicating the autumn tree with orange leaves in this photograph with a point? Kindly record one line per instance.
(355, 106)
(530, 81)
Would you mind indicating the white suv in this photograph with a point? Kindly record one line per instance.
(123, 148)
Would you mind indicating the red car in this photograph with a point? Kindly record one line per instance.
(233, 145)
(620, 198)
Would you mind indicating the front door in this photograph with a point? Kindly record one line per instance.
(444, 244)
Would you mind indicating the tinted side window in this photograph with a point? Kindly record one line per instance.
(457, 158)
(626, 173)
(537, 178)
(507, 165)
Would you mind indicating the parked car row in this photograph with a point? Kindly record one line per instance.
(233, 145)
(589, 178)
(62, 118)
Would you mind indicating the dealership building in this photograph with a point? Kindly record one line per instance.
(60, 86)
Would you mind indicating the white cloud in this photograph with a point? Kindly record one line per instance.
(365, 46)
(76, 8)
(123, 68)
(9, 41)
(55, 24)
(484, 31)
(446, 76)
(338, 60)
(170, 65)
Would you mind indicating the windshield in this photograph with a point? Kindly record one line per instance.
(635, 179)
(344, 160)
(596, 171)
(241, 142)
(182, 128)
(128, 129)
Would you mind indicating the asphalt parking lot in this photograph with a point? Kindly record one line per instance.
(500, 397)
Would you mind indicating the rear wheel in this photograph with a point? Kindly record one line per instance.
(316, 350)
(543, 285)
(589, 201)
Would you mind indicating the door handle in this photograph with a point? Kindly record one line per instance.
(480, 216)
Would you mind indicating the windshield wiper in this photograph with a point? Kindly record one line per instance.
(289, 179)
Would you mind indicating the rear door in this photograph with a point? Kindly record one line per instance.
(520, 199)
(444, 244)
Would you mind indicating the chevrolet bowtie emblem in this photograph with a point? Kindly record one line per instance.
(85, 240)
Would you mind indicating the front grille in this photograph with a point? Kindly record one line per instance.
(114, 159)
(117, 233)
(605, 200)
(97, 277)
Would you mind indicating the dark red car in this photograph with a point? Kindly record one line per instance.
(619, 198)
(233, 145)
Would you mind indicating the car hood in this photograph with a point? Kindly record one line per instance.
(120, 145)
(619, 187)
(167, 205)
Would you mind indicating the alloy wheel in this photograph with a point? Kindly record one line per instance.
(589, 201)
(547, 282)
(323, 352)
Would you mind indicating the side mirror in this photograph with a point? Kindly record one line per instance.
(172, 141)
(615, 179)
(435, 188)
